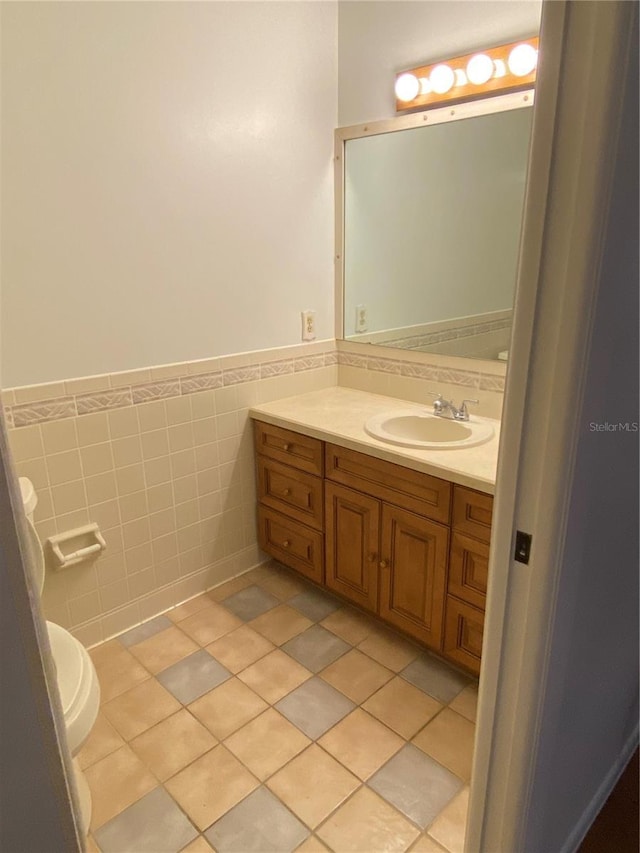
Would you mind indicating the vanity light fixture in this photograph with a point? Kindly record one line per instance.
(495, 71)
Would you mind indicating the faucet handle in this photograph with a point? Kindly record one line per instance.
(435, 394)
(463, 411)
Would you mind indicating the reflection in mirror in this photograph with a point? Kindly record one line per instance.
(432, 219)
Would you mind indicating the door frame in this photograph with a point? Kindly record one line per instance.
(579, 98)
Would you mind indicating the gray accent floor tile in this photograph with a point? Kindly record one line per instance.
(416, 785)
(315, 707)
(144, 631)
(154, 824)
(259, 824)
(250, 602)
(435, 677)
(314, 604)
(316, 648)
(193, 676)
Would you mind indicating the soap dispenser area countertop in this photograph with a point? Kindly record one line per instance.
(339, 415)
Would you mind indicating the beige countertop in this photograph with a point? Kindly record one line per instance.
(338, 415)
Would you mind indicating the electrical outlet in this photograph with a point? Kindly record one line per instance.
(308, 325)
(361, 318)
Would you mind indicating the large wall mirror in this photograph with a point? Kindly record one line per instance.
(429, 213)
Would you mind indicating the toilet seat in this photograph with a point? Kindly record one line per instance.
(77, 683)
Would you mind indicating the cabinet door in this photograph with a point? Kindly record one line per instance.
(468, 569)
(463, 634)
(352, 527)
(413, 574)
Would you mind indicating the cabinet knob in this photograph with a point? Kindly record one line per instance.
(286, 543)
(383, 564)
(286, 492)
(286, 446)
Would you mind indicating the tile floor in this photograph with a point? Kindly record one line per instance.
(266, 716)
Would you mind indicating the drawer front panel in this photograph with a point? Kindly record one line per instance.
(412, 490)
(463, 634)
(468, 569)
(290, 448)
(292, 492)
(293, 544)
(472, 513)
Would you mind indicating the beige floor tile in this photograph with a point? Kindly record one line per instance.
(356, 675)
(388, 649)
(312, 845)
(274, 676)
(283, 585)
(138, 709)
(466, 703)
(402, 707)
(280, 624)
(227, 708)
(426, 845)
(172, 744)
(210, 624)
(349, 625)
(361, 743)
(449, 827)
(200, 845)
(116, 782)
(102, 741)
(313, 785)
(266, 743)
(163, 649)
(188, 608)
(211, 786)
(367, 823)
(449, 739)
(219, 593)
(117, 669)
(240, 648)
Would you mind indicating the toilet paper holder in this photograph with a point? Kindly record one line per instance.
(76, 546)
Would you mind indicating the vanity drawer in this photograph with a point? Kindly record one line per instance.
(293, 544)
(463, 630)
(291, 448)
(472, 512)
(292, 492)
(468, 568)
(412, 490)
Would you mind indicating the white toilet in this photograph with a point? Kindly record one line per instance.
(76, 675)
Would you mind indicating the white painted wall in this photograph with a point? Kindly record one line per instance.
(167, 181)
(378, 39)
(432, 220)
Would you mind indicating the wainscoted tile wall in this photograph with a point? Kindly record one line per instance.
(417, 376)
(162, 460)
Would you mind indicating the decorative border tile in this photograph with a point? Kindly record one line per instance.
(491, 383)
(241, 374)
(201, 382)
(155, 391)
(276, 368)
(26, 414)
(311, 362)
(87, 404)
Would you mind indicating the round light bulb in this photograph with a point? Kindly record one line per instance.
(480, 69)
(522, 60)
(407, 87)
(442, 79)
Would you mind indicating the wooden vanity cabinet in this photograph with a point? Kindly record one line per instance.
(408, 547)
(468, 575)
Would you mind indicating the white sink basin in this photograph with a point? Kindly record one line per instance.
(412, 428)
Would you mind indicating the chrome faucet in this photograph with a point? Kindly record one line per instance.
(445, 409)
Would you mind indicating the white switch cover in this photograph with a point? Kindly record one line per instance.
(308, 325)
(361, 318)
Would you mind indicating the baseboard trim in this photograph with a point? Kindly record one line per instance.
(600, 797)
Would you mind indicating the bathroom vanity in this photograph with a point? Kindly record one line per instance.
(400, 532)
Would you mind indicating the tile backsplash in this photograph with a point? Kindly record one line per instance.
(162, 460)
